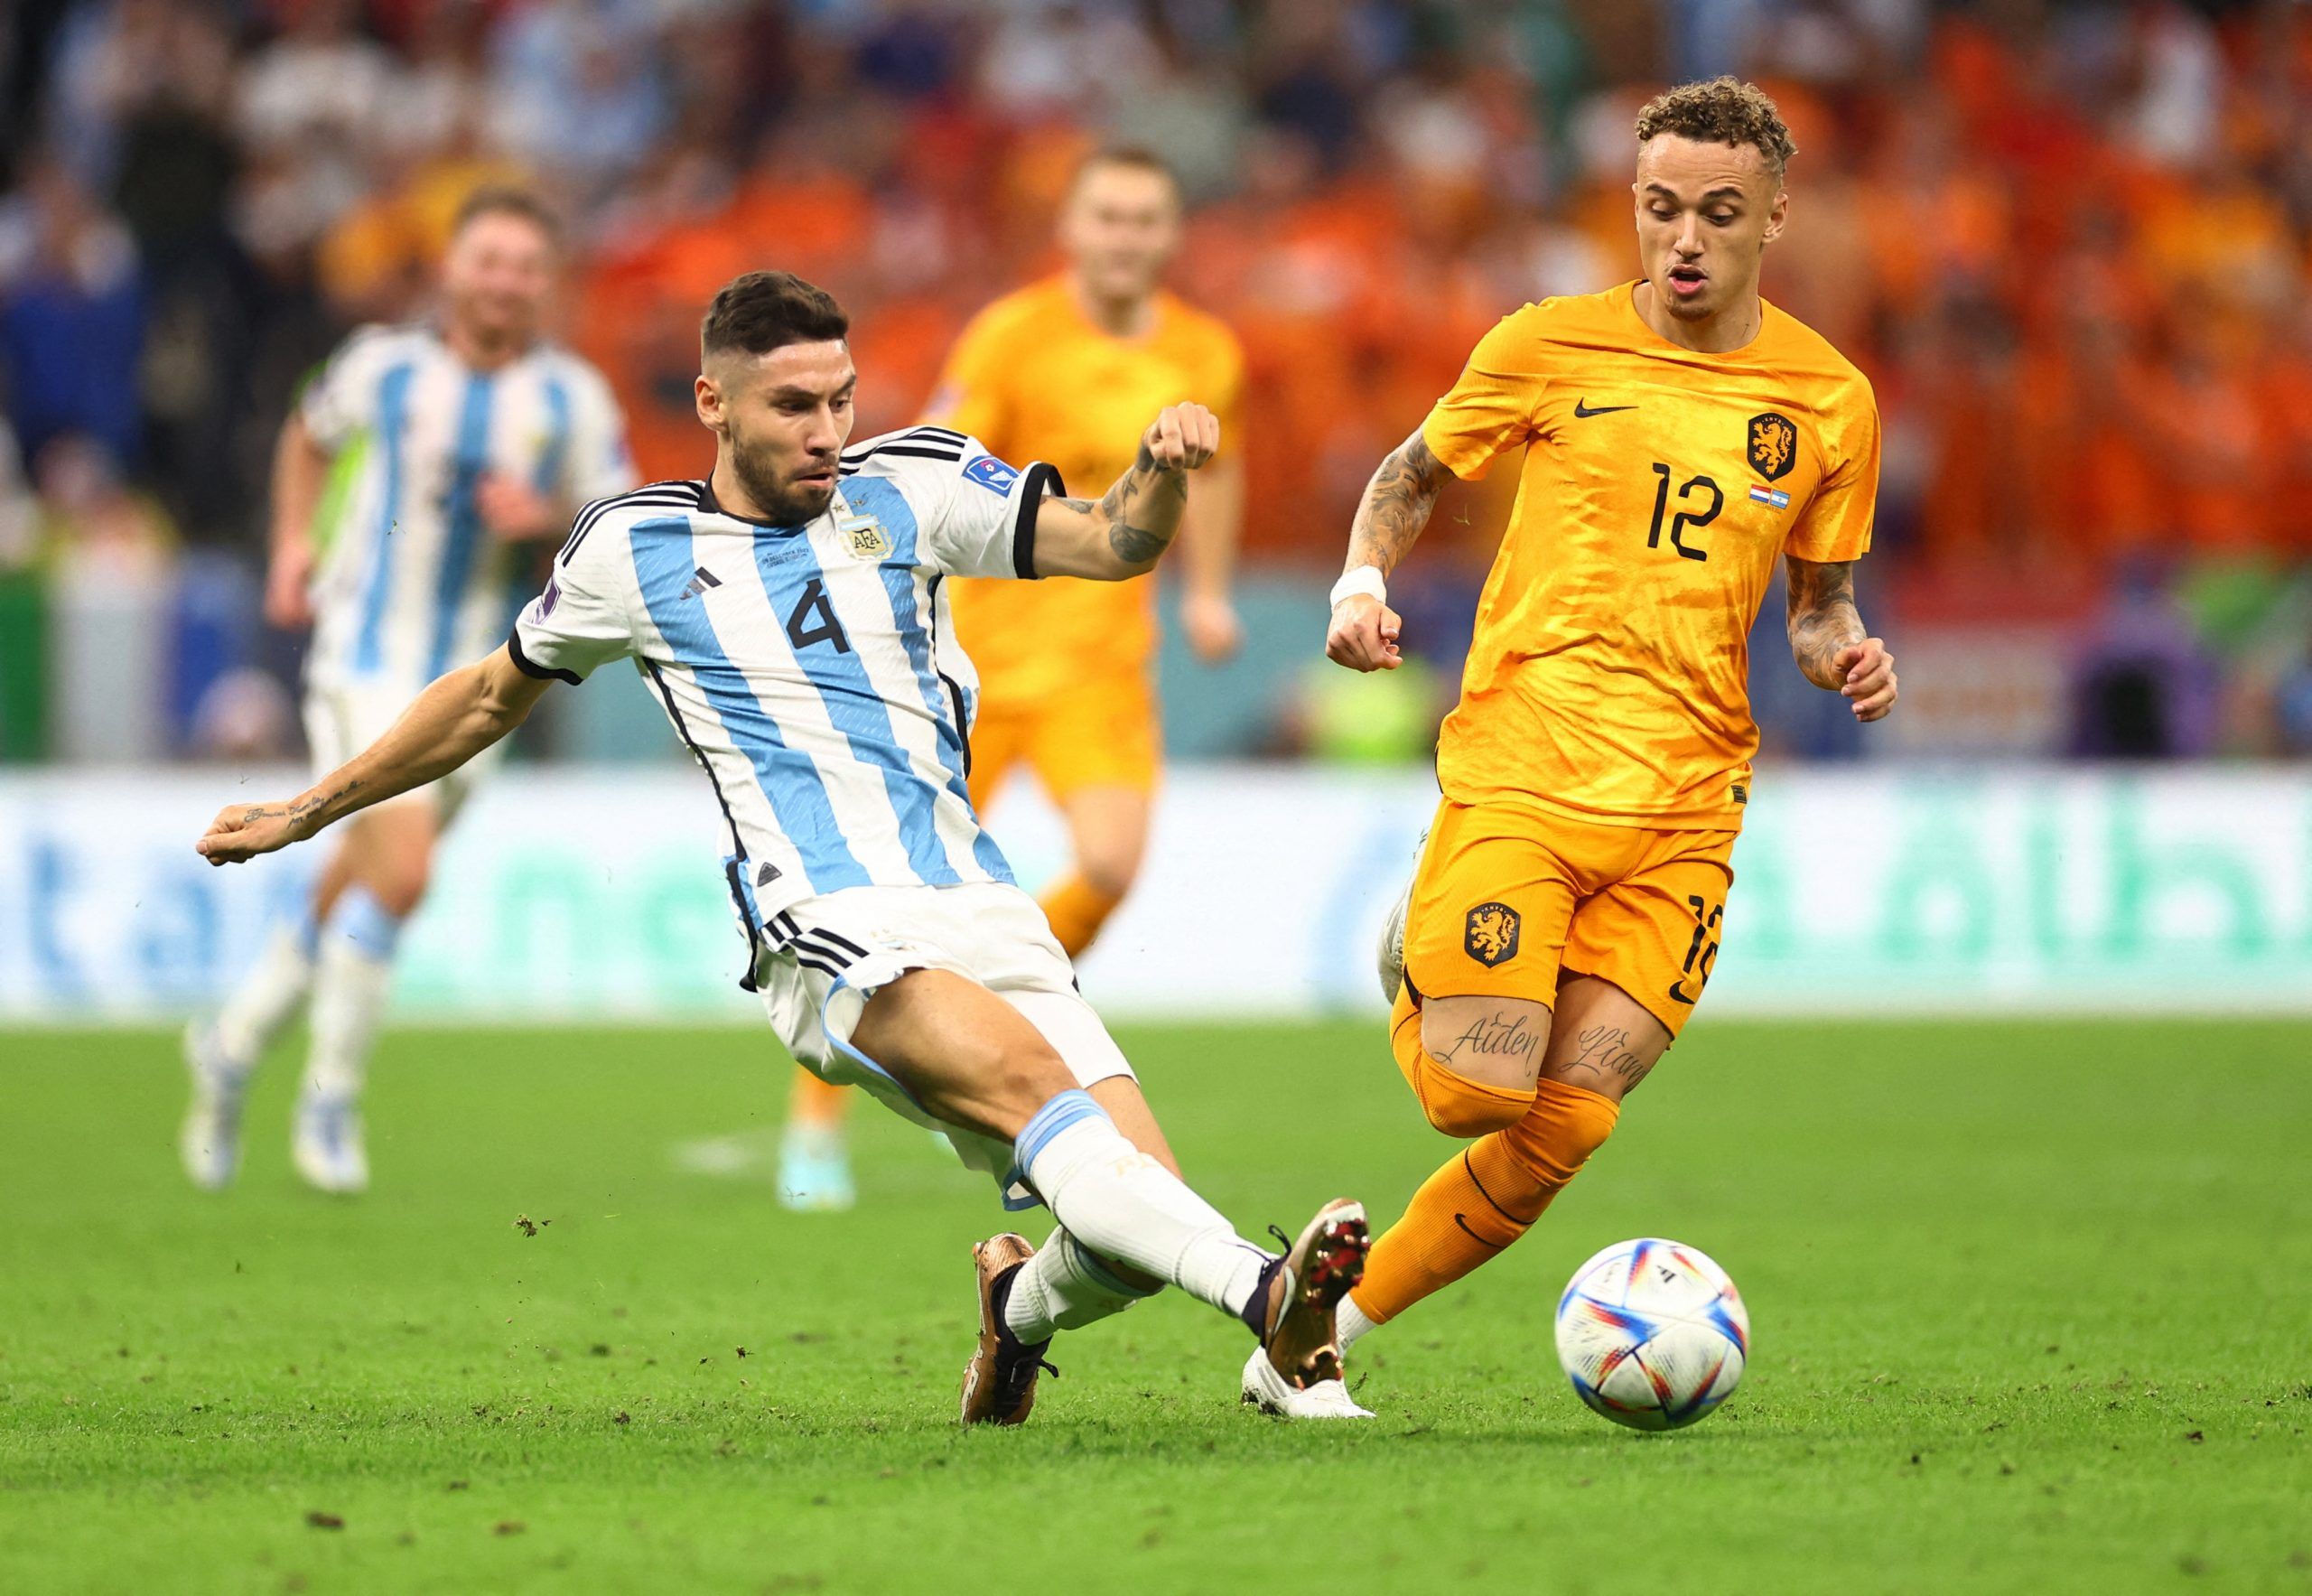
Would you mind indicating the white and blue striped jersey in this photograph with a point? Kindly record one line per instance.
(810, 668)
(411, 583)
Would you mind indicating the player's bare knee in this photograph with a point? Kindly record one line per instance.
(398, 878)
(1110, 866)
(1107, 833)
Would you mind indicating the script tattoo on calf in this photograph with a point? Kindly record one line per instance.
(1822, 618)
(1606, 1051)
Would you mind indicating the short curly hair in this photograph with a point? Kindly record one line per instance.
(1721, 111)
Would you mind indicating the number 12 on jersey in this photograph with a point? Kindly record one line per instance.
(1686, 519)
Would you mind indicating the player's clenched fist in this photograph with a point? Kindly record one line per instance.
(1182, 437)
(1869, 673)
(1364, 634)
(244, 831)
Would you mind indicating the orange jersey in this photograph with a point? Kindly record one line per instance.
(1608, 677)
(1033, 379)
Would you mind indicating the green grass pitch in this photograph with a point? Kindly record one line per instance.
(2030, 1304)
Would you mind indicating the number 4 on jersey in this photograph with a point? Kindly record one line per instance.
(813, 621)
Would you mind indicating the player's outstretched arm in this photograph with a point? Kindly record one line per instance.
(1135, 522)
(300, 468)
(1395, 508)
(449, 723)
(1827, 639)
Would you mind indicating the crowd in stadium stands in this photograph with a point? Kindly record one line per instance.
(2071, 243)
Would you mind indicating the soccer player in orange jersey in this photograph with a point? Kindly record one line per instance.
(1058, 371)
(1673, 436)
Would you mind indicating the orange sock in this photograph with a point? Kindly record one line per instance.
(1483, 1198)
(1076, 912)
(813, 1102)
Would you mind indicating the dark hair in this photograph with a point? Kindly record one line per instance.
(1137, 157)
(763, 311)
(1722, 111)
(502, 200)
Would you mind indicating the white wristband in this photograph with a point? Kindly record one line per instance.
(1363, 579)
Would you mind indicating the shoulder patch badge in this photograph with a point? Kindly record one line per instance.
(1489, 935)
(1773, 444)
(992, 474)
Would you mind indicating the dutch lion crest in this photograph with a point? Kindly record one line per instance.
(1490, 933)
(1774, 445)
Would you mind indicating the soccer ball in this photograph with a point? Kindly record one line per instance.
(1652, 1334)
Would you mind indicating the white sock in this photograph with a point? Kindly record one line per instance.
(1122, 1204)
(1350, 1321)
(352, 979)
(1066, 1286)
(269, 996)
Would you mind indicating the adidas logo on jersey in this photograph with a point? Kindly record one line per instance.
(701, 580)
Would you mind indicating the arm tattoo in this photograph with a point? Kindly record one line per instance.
(1606, 1051)
(1142, 510)
(1822, 618)
(314, 803)
(1396, 505)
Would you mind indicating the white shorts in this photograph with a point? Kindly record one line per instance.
(828, 956)
(341, 721)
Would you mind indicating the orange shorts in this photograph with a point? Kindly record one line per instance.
(1101, 732)
(1506, 898)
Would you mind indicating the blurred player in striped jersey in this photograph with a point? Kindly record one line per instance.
(416, 464)
(1061, 371)
(790, 612)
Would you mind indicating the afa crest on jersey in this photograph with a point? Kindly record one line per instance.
(863, 535)
(1489, 935)
(1773, 444)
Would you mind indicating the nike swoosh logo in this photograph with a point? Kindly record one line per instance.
(1582, 411)
(1462, 1220)
(1678, 992)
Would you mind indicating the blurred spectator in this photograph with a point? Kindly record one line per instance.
(578, 89)
(24, 614)
(71, 315)
(110, 556)
(2145, 689)
(244, 716)
(19, 511)
(92, 519)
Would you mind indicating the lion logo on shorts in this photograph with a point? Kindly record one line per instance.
(1490, 933)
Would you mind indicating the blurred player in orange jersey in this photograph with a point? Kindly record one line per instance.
(1061, 369)
(1674, 436)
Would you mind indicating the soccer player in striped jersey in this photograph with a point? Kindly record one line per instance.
(406, 482)
(790, 614)
(1062, 370)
